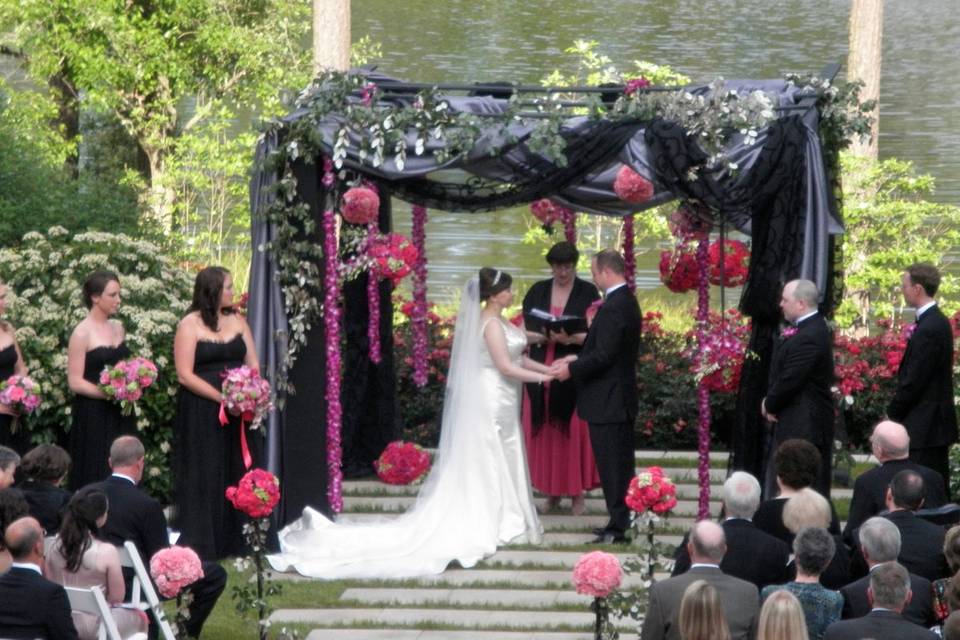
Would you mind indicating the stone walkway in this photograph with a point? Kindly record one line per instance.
(516, 593)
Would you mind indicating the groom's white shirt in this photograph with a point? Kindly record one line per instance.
(606, 294)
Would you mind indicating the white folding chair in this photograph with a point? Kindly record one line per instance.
(92, 601)
(142, 586)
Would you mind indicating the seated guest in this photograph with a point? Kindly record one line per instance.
(951, 551)
(78, 559)
(752, 555)
(951, 627)
(921, 548)
(701, 616)
(136, 516)
(797, 465)
(889, 593)
(30, 605)
(807, 508)
(813, 549)
(782, 618)
(42, 471)
(880, 544)
(9, 459)
(739, 598)
(891, 446)
(12, 507)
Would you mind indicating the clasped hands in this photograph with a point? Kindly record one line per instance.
(560, 369)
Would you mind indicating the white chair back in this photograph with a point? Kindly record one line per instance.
(92, 601)
(143, 587)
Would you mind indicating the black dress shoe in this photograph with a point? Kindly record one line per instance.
(610, 538)
(599, 531)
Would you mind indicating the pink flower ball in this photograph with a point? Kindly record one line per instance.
(174, 568)
(632, 187)
(597, 574)
(360, 205)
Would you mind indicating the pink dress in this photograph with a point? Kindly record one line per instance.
(100, 567)
(561, 460)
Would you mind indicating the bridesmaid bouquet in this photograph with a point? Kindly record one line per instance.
(20, 393)
(246, 394)
(125, 381)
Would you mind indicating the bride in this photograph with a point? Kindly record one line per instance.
(478, 494)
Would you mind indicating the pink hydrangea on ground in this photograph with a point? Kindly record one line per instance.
(632, 187)
(597, 574)
(174, 568)
(360, 205)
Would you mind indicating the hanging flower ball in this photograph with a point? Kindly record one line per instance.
(361, 205)
(545, 211)
(393, 256)
(736, 263)
(632, 187)
(691, 221)
(678, 270)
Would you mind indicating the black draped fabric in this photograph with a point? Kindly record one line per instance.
(779, 194)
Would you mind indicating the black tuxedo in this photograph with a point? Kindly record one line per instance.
(921, 547)
(878, 625)
(46, 502)
(798, 394)
(606, 377)
(138, 517)
(870, 492)
(919, 611)
(752, 555)
(923, 402)
(33, 607)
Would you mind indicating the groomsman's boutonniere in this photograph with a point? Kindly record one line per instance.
(592, 310)
(787, 332)
(908, 330)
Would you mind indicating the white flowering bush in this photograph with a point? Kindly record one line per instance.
(45, 275)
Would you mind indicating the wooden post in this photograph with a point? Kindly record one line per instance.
(863, 62)
(331, 35)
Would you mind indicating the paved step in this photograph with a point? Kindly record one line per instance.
(448, 634)
(518, 598)
(479, 578)
(546, 559)
(397, 504)
(374, 488)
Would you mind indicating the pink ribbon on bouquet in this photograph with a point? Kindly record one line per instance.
(244, 448)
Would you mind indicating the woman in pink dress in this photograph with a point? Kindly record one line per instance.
(558, 442)
(78, 559)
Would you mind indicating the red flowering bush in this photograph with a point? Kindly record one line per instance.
(678, 269)
(651, 490)
(736, 262)
(632, 187)
(393, 256)
(597, 574)
(257, 493)
(402, 463)
(361, 205)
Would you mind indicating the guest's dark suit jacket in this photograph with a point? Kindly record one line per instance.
(923, 402)
(878, 625)
(740, 601)
(798, 393)
(135, 516)
(921, 547)
(919, 611)
(870, 492)
(33, 607)
(752, 555)
(46, 503)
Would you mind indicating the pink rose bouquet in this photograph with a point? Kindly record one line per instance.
(597, 574)
(651, 490)
(174, 568)
(402, 463)
(257, 493)
(246, 394)
(20, 393)
(125, 381)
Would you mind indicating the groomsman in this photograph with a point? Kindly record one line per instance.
(799, 403)
(923, 402)
(606, 377)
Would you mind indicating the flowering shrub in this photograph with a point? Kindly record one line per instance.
(257, 493)
(246, 394)
(597, 574)
(736, 262)
(402, 463)
(651, 490)
(393, 256)
(45, 274)
(174, 568)
(20, 393)
(125, 381)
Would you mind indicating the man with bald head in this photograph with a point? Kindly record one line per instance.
(739, 598)
(891, 446)
(30, 605)
(799, 403)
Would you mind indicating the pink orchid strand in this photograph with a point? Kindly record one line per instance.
(629, 254)
(418, 234)
(703, 392)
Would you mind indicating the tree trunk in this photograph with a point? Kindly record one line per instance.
(160, 196)
(331, 35)
(68, 116)
(863, 63)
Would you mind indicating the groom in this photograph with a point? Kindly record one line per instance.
(606, 378)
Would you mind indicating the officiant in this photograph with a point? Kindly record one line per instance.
(558, 443)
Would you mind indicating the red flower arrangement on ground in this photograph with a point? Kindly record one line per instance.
(736, 263)
(361, 205)
(597, 574)
(651, 490)
(257, 493)
(678, 269)
(402, 463)
(174, 568)
(632, 187)
(393, 256)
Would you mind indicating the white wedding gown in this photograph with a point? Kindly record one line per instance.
(476, 497)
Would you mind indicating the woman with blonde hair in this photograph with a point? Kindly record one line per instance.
(807, 508)
(701, 615)
(781, 618)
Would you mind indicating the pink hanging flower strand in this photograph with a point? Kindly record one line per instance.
(629, 254)
(703, 391)
(569, 218)
(331, 326)
(418, 235)
(373, 282)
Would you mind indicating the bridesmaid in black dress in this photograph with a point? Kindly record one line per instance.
(210, 339)
(11, 362)
(95, 343)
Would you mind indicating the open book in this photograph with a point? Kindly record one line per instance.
(540, 320)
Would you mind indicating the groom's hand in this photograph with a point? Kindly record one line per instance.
(561, 370)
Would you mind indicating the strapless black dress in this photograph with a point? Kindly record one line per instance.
(19, 441)
(207, 459)
(96, 423)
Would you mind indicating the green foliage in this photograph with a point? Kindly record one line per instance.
(45, 275)
(593, 69)
(890, 224)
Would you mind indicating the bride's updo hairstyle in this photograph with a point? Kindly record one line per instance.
(493, 281)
